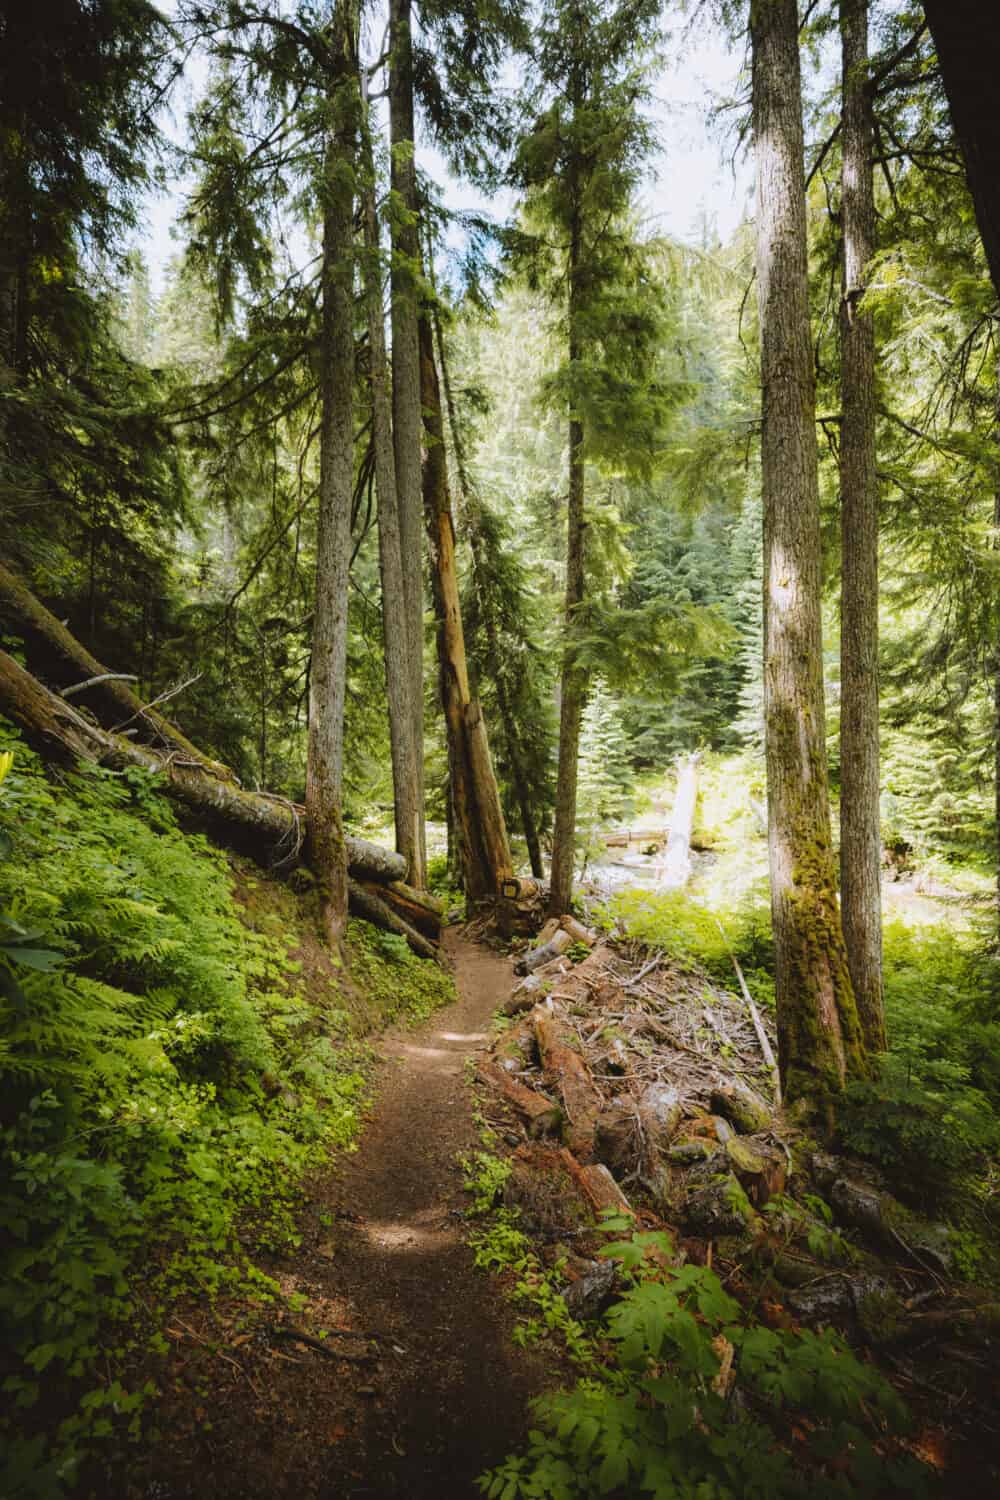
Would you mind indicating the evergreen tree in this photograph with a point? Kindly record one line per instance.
(578, 166)
(819, 1036)
(860, 833)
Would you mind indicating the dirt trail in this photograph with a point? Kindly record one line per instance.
(383, 1251)
(456, 1400)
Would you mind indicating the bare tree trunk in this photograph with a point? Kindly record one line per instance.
(572, 683)
(860, 823)
(407, 431)
(819, 1037)
(480, 570)
(324, 768)
(965, 37)
(479, 815)
(675, 870)
(407, 801)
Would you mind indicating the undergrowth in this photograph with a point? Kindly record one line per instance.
(167, 1077)
(692, 1399)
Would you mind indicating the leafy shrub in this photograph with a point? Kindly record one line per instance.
(135, 1125)
(927, 1117)
(659, 1421)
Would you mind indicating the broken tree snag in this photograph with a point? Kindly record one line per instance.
(566, 1073)
(56, 654)
(597, 1185)
(365, 902)
(480, 823)
(675, 868)
(267, 827)
(540, 1115)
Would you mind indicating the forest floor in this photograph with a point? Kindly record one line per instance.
(411, 1385)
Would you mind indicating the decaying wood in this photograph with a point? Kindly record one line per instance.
(55, 653)
(577, 931)
(555, 946)
(422, 910)
(566, 1072)
(540, 1114)
(597, 1184)
(270, 828)
(366, 901)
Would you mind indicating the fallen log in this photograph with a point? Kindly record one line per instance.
(578, 932)
(56, 653)
(541, 1115)
(422, 910)
(271, 829)
(567, 1075)
(597, 1185)
(621, 838)
(555, 946)
(365, 901)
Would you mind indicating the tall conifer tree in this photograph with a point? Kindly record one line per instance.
(819, 1037)
(579, 165)
(860, 840)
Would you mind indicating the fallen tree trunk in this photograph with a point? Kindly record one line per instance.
(419, 908)
(566, 1073)
(57, 655)
(621, 838)
(366, 901)
(540, 1115)
(270, 828)
(597, 1185)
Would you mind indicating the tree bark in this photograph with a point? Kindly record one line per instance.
(965, 37)
(819, 1037)
(480, 573)
(407, 431)
(676, 867)
(860, 821)
(327, 677)
(479, 815)
(56, 654)
(407, 798)
(572, 682)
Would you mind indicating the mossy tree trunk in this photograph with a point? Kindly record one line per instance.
(819, 1036)
(406, 416)
(860, 828)
(328, 670)
(395, 623)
